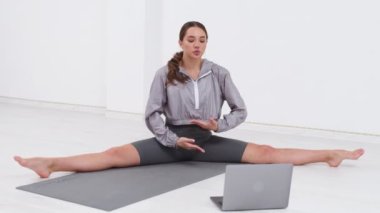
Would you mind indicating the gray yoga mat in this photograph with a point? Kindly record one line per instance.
(114, 188)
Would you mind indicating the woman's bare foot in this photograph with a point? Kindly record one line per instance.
(41, 166)
(337, 156)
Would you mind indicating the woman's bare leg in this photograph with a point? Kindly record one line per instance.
(266, 154)
(122, 156)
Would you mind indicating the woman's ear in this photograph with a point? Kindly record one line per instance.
(180, 43)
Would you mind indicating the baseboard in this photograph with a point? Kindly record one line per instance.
(273, 128)
(52, 105)
(311, 132)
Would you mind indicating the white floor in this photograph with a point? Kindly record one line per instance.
(33, 131)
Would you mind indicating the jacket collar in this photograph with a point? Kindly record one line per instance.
(205, 68)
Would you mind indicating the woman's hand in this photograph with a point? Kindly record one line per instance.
(188, 144)
(210, 124)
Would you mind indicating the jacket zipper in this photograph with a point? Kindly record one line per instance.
(196, 90)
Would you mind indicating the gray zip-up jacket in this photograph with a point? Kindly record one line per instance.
(196, 99)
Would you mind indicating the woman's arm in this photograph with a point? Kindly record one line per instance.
(231, 94)
(154, 109)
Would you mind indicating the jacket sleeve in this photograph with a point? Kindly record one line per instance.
(230, 93)
(154, 109)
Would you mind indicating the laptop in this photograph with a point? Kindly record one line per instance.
(255, 186)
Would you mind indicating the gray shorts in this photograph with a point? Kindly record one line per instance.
(218, 149)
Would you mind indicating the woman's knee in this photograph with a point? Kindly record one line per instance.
(266, 150)
(113, 152)
(125, 154)
(255, 153)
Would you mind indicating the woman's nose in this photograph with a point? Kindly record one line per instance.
(197, 44)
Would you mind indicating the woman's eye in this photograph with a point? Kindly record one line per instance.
(191, 41)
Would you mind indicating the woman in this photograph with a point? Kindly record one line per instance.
(190, 92)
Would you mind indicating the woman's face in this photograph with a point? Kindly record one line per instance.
(194, 43)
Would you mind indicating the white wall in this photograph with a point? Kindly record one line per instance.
(53, 50)
(125, 55)
(153, 43)
(302, 63)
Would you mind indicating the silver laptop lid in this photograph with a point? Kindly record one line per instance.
(257, 186)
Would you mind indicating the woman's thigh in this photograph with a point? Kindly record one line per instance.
(152, 152)
(221, 149)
